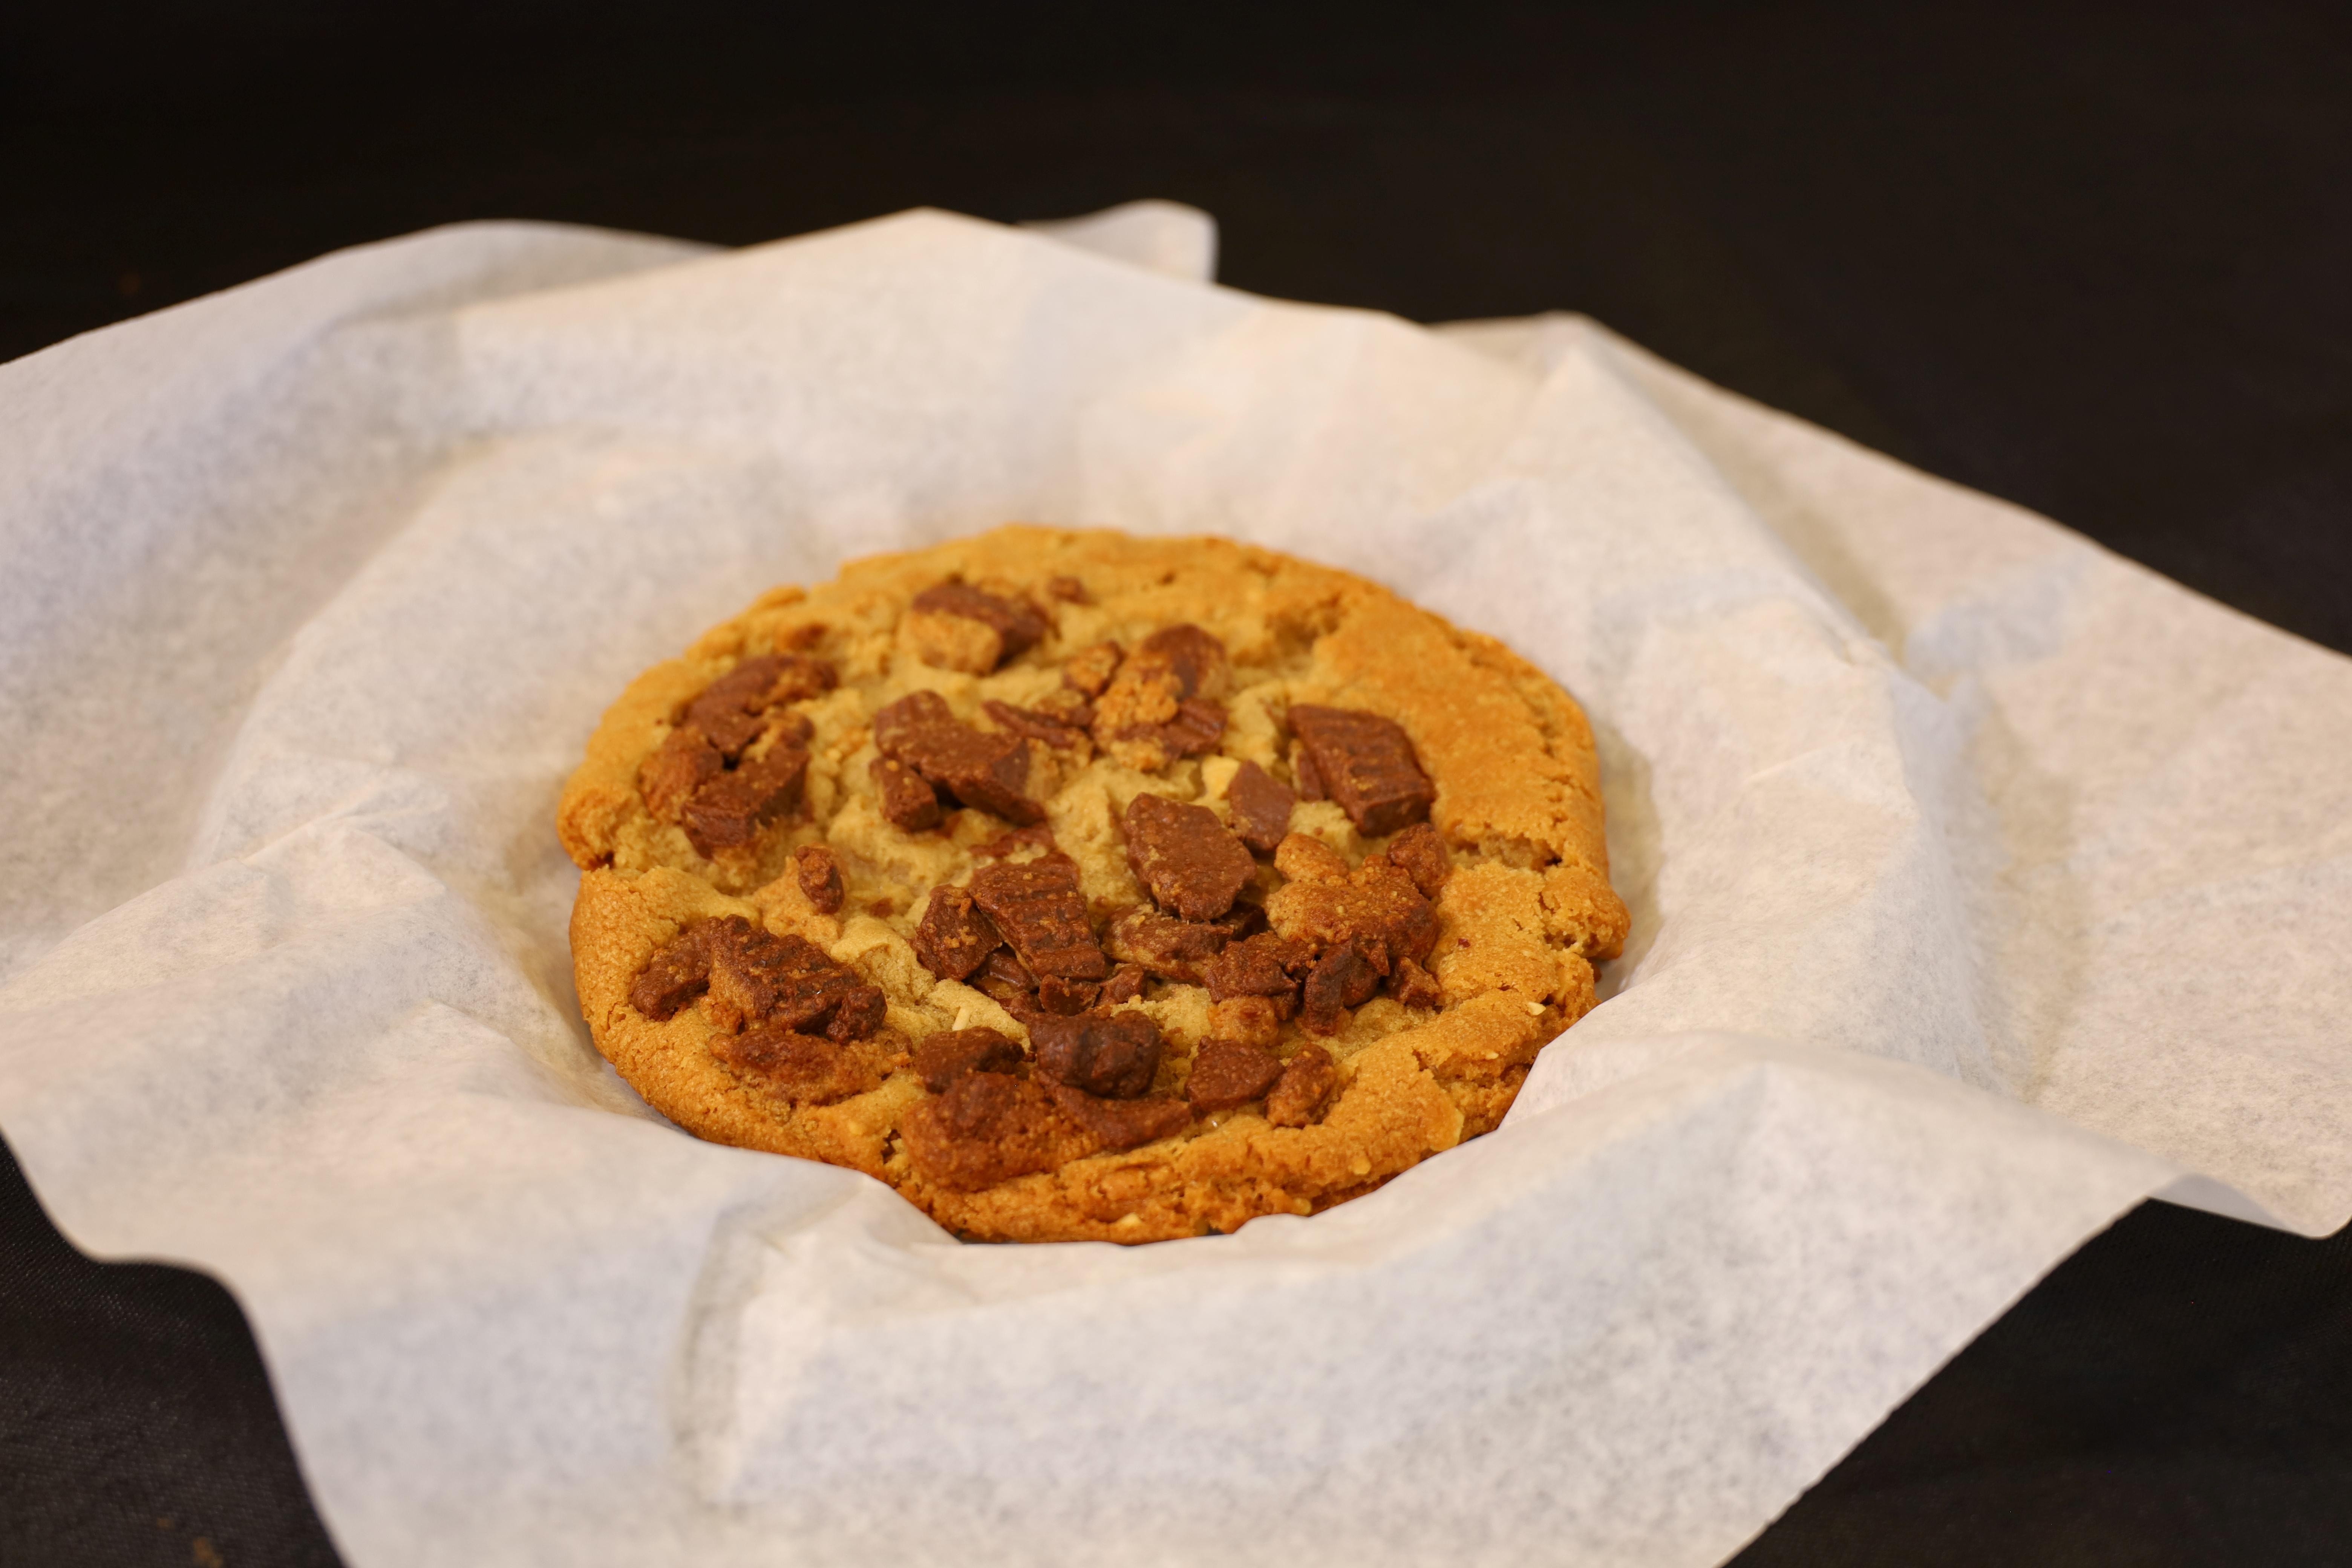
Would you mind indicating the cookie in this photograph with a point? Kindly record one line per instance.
(1085, 887)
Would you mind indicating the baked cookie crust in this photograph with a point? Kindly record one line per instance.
(779, 825)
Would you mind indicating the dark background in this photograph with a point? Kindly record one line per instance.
(2098, 262)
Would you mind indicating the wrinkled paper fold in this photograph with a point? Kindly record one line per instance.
(1983, 884)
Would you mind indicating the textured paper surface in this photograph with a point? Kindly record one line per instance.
(1982, 884)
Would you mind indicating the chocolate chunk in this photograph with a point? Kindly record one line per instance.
(1185, 857)
(1376, 906)
(1172, 949)
(1122, 1124)
(1422, 855)
(908, 802)
(861, 1012)
(1195, 659)
(947, 1055)
(758, 977)
(1302, 768)
(1069, 590)
(1342, 978)
(1042, 728)
(729, 812)
(952, 642)
(1021, 627)
(989, 772)
(1246, 1020)
(1125, 985)
(801, 1067)
(1114, 1055)
(1307, 1083)
(819, 876)
(1040, 912)
(1412, 984)
(953, 937)
(1227, 1074)
(1241, 921)
(1266, 966)
(1260, 805)
(682, 763)
(990, 1127)
(1366, 763)
(1089, 670)
(1066, 997)
(678, 972)
(1195, 730)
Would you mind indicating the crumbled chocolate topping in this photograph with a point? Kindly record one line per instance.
(1171, 948)
(1342, 978)
(990, 1127)
(1305, 1085)
(1019, 626)
(1376, 906)
(758, 977)
(1040, 910)
(1195, 730)
(946, 1057)
(819, 876)
(1412, 984)
(987, 771)
(954, 938)
(1042, 728)
(1422, 855)
(1227, 1074)
(1183, 854)
(1090, 670)
(1122, 1124)
(1125, 985)
(1069, 590)
(682, 763)
(1114, 1055)
(801, 1067)
(1263, 965)
(860, 1013)
(1366, 763)
(678, 972)
(1007, 980)
(1260, 805)
(729, 811)
(908, 802)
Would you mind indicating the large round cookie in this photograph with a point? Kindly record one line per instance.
(1084, 886)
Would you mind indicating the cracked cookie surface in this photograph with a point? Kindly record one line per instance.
(1089, 887)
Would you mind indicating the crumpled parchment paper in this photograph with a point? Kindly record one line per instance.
(1983, 884)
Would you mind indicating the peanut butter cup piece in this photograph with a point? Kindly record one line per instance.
(949, 1054)
(1342, 978)
(1125, 985)
(678, 972)
(990, 1127)
(1422, 855)
(908, 802)
(1299, 1096)
(1040, 910)
(1412, 984)
(801, 1067)
(1226, 1073)
(1185, 857)
(1366, 763)
(819, 876)
(729, 709)
(987, 771)
(1261, 805)
(1123, 1124)
(1375, 906)
(729, 811)
(1113, 1054)
(1089, 670)
(1164, 945)
(1019, 627)
(954, 938)
(1042, 728)
(682, 763)
(1261, 965)
(758, 977)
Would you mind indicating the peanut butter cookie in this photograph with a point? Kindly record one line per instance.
(1087, 887)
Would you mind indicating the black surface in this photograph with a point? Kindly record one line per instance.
(2094, 261)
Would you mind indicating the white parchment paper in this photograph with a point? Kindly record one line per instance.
(1983, 884)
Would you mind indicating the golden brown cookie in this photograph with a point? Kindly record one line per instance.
(1085, 886)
